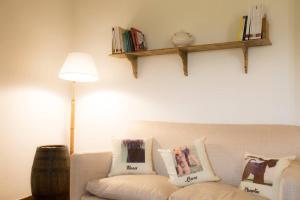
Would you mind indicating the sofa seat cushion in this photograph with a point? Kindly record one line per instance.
(212, 191)
(90, 197)
(132, 187)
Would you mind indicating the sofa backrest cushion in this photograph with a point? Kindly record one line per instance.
(225, 144)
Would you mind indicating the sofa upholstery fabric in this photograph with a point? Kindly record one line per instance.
(132, 187)
(86, 167)
(212, 191)
(90, 197)
(225, 145)
(290, 183)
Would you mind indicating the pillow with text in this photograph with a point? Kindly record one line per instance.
(261, 175)
(188, 164)
(131, 156)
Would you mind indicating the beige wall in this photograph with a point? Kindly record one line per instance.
(34, 40)
(216, 91)
(297, 40)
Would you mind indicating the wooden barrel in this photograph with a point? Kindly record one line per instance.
(50, 173)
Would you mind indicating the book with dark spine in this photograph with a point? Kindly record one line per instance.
(131, 43)
(245, 27)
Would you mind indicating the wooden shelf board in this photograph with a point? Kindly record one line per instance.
(197, 48)
(183, 51)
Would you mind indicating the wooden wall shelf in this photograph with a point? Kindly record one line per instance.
(183, 51)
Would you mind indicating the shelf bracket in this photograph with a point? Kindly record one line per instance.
(265, 28)
(133, 60)
(183, 55)
(245, 52)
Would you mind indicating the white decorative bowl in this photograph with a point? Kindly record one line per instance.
(181, 39)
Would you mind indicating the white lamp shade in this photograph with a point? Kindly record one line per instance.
(79, 67)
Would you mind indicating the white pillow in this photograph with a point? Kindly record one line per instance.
(187, 165)
(131, 156)
(261, 175)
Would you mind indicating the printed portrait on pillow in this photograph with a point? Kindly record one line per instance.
(131, 156)
(133, 151)
(186, 161)
(259, 170)
(188, 164)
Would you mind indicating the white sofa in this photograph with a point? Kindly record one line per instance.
(226, 145)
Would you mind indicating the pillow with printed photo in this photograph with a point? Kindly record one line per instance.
(188, 164)
(131, 156)
(261, 175)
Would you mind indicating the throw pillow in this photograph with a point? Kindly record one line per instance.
(131, 156)
(261, 175)
(187, 165)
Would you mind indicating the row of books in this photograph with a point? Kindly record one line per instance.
(124, 41)
(251, 26)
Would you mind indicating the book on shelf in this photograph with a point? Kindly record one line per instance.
(248, 25)
(113, 45)
(245, 27)
(139, 39)
(128, 45)
(242, 31)
(121, 32)
(117, 40)
(124, 41)
(251, 26)
(257, 16)
(133, 37)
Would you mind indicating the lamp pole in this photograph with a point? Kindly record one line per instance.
(78, 67)
(72, 125)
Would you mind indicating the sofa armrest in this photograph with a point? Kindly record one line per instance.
(86, 167)
(290, 183)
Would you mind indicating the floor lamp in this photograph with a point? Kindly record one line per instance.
(78, 67)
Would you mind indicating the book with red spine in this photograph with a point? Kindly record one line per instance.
(139, 39)
(133, 35)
